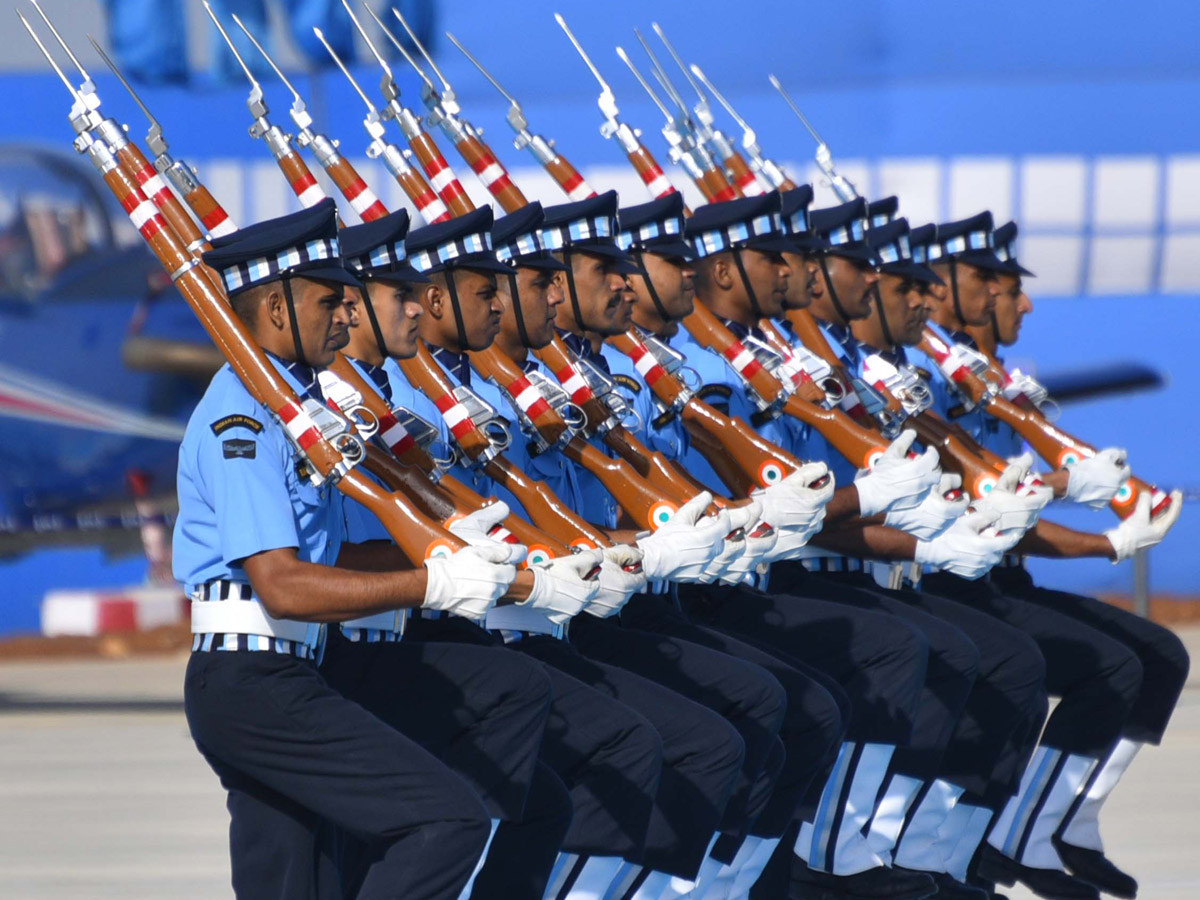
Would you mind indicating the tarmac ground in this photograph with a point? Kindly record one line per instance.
(102, 793)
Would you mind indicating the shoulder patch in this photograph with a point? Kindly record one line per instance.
(626, 382)
(236, 421)
(237, 448)
(663, 420)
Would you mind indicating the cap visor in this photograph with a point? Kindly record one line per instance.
(807, 243)
(673, 249)
(857, 251)
(336, 274)
(483, 262)
(776, 244)
(913, 270)
(623, 262)
(402, 274)
(1015, 268)
(539, 261)
(983, 259)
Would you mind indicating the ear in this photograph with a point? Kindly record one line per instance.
(433, 299)
(275, 307)
(722, 272)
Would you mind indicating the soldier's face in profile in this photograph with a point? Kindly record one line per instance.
(600, 290)
(805, 277)
(1012, 305)
(852, 282)
(977, 292)
(539, 296)
(322, 318)
(480, 306)
(398, 313)
(769, 276)
(674, 283)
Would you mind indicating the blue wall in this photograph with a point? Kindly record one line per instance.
(882, 80)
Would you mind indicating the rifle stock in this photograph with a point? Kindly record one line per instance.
(742, 459)
(857, 444)
(651, 465)
(1052, 444)
(417, 535)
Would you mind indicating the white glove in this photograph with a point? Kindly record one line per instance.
(558, 586)
(476, 529)
(1016, 506)
(897, 482)
(617, 585)
(933, 515)
(1139, 531)
(794, 509)
(1095, 480)
(968, 548)
(732, 549)
(682, 549)
(469, 582)
(1024, 464)
(760, 542)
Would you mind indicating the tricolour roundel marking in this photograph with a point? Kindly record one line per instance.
(439, 549)
(984, 485)
(769, 473)
(661, 514)
(872, 458)
(583, 543)
(539, 555)
(1068, 456)
(1124, 495)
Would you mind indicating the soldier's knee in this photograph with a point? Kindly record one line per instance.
(635, 748)
(1171, 650)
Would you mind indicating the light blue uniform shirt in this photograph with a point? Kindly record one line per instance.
(240, 491)
(722, 388)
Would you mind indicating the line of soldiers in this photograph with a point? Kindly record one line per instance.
(834, 688)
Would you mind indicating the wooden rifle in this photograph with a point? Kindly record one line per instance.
(329, 461)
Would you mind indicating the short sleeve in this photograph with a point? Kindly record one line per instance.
(247, 478)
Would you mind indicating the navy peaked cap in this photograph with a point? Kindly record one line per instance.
(1003, 239)
(376, 250)
(464, 242)
(303, 243)
(968, 241)
(891, 246)
(754, 223)
(516, 241)
(843, 228)
(588, 225)
(656, 227)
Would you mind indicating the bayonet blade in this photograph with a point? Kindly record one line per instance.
(796, 109)
(87, 79)
(278, 71)
(448, 100)
(341, 65)
(232, 47)
(679, 62)
(486, 74)
(50, 59)
(154, 137)
(642, 81)
(728, 107)
(370, 44)
(429, 85)
(579, 49)
(661, 76)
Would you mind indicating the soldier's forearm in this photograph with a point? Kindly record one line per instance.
(871, 541)
(1059, 542)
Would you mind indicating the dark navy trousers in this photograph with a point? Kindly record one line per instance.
(293, 752)
(482, 712)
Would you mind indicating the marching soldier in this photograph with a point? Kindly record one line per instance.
(702, 753)
(263, 554)
(1082, 773)
(479, 710)
(776, 770)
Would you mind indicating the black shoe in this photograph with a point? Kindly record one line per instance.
(992, 865)
(1094, 866)
(950, 888)
(874, 884)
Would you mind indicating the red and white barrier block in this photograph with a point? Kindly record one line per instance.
(88, 613)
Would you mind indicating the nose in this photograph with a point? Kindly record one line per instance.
(413, 309)
(871, 276)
